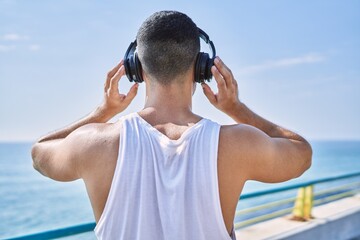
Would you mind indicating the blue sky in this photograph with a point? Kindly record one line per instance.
(297, 62)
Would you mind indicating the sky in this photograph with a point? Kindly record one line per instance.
(297, 63)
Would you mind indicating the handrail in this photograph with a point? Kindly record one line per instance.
(87, 227)
(262, 218)
(58, 233)
(333, 189)
(298, 185)
(265, 206)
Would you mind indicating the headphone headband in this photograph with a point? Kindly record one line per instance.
(203, 35)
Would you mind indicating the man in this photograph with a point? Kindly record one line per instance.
(165, 172)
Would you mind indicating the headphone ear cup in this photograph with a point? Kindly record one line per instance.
(138, 69)
(208, 73)
(128, 69)
(203, 66)
(197, 68)
(133, 68)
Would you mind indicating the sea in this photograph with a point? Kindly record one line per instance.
(30, 202)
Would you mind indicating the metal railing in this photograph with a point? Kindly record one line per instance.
(301, 209)
(302, 203)
(58, 233)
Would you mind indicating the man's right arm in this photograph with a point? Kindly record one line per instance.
(260, 149)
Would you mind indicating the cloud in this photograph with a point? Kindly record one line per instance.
(34, 47)
(286, 62)
(14, 37)
(7, 48)
(14, 41)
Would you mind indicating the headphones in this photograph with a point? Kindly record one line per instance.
(203, 62)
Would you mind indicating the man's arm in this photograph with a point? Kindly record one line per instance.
(261, 149)
(60, 154)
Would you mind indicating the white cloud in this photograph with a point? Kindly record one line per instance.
(286, 62)
(34, 47)
(14, 37)
(7, 48)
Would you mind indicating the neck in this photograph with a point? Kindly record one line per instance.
(170, 103)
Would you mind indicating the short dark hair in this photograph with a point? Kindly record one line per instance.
(168, 43)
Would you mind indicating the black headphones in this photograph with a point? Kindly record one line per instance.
(203, 62)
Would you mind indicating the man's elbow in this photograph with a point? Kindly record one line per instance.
(37, 159)
(34, 155)
(306, 158)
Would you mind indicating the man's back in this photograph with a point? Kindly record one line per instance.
(164, 188)
(101, 168)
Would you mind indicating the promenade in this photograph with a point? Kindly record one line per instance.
(338, 220)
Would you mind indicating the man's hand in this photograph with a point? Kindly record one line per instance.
(115, 102)
(227, 99)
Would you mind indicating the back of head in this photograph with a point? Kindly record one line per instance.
(168, 43)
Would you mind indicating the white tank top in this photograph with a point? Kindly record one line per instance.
(164, 189)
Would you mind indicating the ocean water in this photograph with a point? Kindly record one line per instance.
(32, 203)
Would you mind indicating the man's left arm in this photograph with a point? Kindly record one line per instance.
(59, 155)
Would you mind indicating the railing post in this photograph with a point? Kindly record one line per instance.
(303, 204)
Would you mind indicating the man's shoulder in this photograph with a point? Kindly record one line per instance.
(237, 131)
(97, 136)
(98, 129)
(238, 139)
(235, 147)
(98, 143)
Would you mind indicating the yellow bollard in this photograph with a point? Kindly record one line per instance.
(303, 204)
(308, 202)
